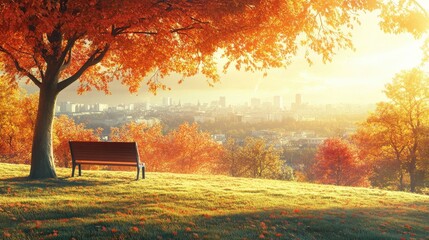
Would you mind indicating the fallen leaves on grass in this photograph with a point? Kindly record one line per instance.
(7, 234)
(38, 224)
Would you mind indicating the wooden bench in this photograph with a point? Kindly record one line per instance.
(105, 153)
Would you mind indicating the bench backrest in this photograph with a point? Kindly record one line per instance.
(104, 151)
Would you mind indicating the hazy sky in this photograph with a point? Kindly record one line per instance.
(352, 77)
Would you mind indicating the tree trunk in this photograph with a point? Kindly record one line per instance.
(412, 171)
(42, 159)
(401, 173)
(401, 180)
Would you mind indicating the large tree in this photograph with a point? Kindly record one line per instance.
(409, 96)
(383, 141)
(54, 43)
(395, 133)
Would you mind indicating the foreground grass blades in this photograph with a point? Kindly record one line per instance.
(111, 205)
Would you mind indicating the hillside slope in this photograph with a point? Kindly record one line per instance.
(112, 205)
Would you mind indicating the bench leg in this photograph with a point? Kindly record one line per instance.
(143, 172)
(80, 170)
(138, 172)
(73, 167)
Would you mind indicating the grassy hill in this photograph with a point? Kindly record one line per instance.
(112, 205)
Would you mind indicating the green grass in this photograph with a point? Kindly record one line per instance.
(112, 205)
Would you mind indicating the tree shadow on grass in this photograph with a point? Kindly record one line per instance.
(55, 183)
(410, 221)
(64, 180)
(276, 223)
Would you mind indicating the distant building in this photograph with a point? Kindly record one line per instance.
(100, 107)
(255, 103)
(149, 122)
(167, 101)
(143, 106)
(67, 107)
(278, 102)
(219, 138)
(297, 105)
(222, 102)
(298, 99)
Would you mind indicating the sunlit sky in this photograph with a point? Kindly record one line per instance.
(352, 77)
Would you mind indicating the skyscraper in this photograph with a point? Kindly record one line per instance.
(222, 102)
(255, 103)
(166, 101)
(298, 99)
(278, 102)
(298, 103)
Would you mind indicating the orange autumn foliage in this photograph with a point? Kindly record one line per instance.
(191, 150)
(17, 119)
(65, 130)
(184, 150)
(17, 115)
(150, 142)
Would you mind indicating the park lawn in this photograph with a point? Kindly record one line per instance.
(112, 205)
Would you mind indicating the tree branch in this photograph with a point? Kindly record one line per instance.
(138, 32)
(421, 7)
(62, 61)
(122, 30)
(95, 58)
(67, 61)
(21, 69)
(189, 27)
(39, 67)
(182, 29)
(118, 30)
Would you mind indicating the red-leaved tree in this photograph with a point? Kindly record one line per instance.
(337, 163)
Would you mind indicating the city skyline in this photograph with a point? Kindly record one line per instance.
(276, 103)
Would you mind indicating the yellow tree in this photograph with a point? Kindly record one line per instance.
(255, 158)
(409, 95)
(261, 159)
(54, 43)
(230, 163)
(383, 140)
(9, 116)
(17, 114)
(65, 130)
